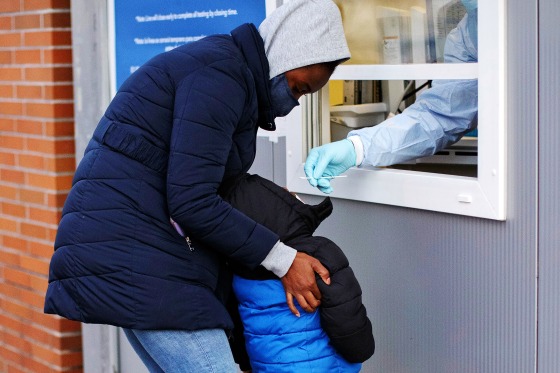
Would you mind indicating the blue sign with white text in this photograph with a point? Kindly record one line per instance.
(144, 28)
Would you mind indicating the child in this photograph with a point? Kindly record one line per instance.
(336, 338)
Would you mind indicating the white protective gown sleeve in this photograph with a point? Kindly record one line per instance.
(440, 116)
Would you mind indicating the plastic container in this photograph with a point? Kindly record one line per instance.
(363, 115)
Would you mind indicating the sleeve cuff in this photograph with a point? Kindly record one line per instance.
(358, 147)
(279, 259)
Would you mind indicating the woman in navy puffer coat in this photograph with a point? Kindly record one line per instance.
(182, 123)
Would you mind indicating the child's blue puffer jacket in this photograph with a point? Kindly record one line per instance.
(336, 338)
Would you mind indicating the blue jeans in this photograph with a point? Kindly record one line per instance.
(173, 351)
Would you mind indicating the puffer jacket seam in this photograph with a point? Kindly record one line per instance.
(193, 283)
(182, 116)
(334, 305)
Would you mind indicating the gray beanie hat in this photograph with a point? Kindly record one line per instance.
(301, 33)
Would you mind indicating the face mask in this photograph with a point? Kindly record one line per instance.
(470, 5)
(283, 101)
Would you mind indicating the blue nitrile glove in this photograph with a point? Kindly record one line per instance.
(327, 161)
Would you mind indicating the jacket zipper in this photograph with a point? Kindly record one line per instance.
(180, 231)
(191, 248)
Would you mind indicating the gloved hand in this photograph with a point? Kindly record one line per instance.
(327, 161)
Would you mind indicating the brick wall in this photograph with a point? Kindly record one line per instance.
(36, 167)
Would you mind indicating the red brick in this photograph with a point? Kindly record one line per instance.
(39, 266)
(28, 56)
(12, 176)
(59, 92)
(27, 362)
(48, 146)
(7, 225)
(21, 278)
(65, 182)
(8, 192)
(8, 159)
(51, 233)
(46, 4)
(11, 142)
(39, 110)
(11, 108)
(56, 20)
(56, 199)
(7, 91)
(38, 74)
(58, 323)
(12, 209)
(11, 39)
(50, 181)
(27, 21)
(31, 127)
(41, 145)
(9, 258)
(65, 147)
(64, 110)
(72, 342)
(6, 124)
(59, 128)
(41, 250)
(30, 297)
(44, 215)
(33, 331)
(42, 180)
(15, 243)
(49, 74)
(9, 6)
(29, 91)
(47, 38)
(34, 230)
(60, 164)
(10, 73)
(56, 110)
(31, 161)
(6, 24)
(6, 57)
(32, 196)
(28, 330)
(20, 311)
(72, 359)
(59, 55)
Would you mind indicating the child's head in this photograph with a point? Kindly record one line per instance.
(274, 207)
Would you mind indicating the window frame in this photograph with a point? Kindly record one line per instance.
(483, 196)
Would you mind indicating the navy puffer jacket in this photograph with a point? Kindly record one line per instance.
(178, 126)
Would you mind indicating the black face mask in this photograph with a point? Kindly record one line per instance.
(283, 101)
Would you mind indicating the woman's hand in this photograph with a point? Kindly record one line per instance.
(299, 283)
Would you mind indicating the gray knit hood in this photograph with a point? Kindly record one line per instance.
(301, 33)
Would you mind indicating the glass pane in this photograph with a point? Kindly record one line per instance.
(355, 104)
(398, 31)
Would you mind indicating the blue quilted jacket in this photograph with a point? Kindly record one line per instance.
(177, 127)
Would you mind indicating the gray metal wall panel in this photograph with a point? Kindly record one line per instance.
(90, 54)
(264, 160)
(549, 187)
(448, 293)
(270, 161)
